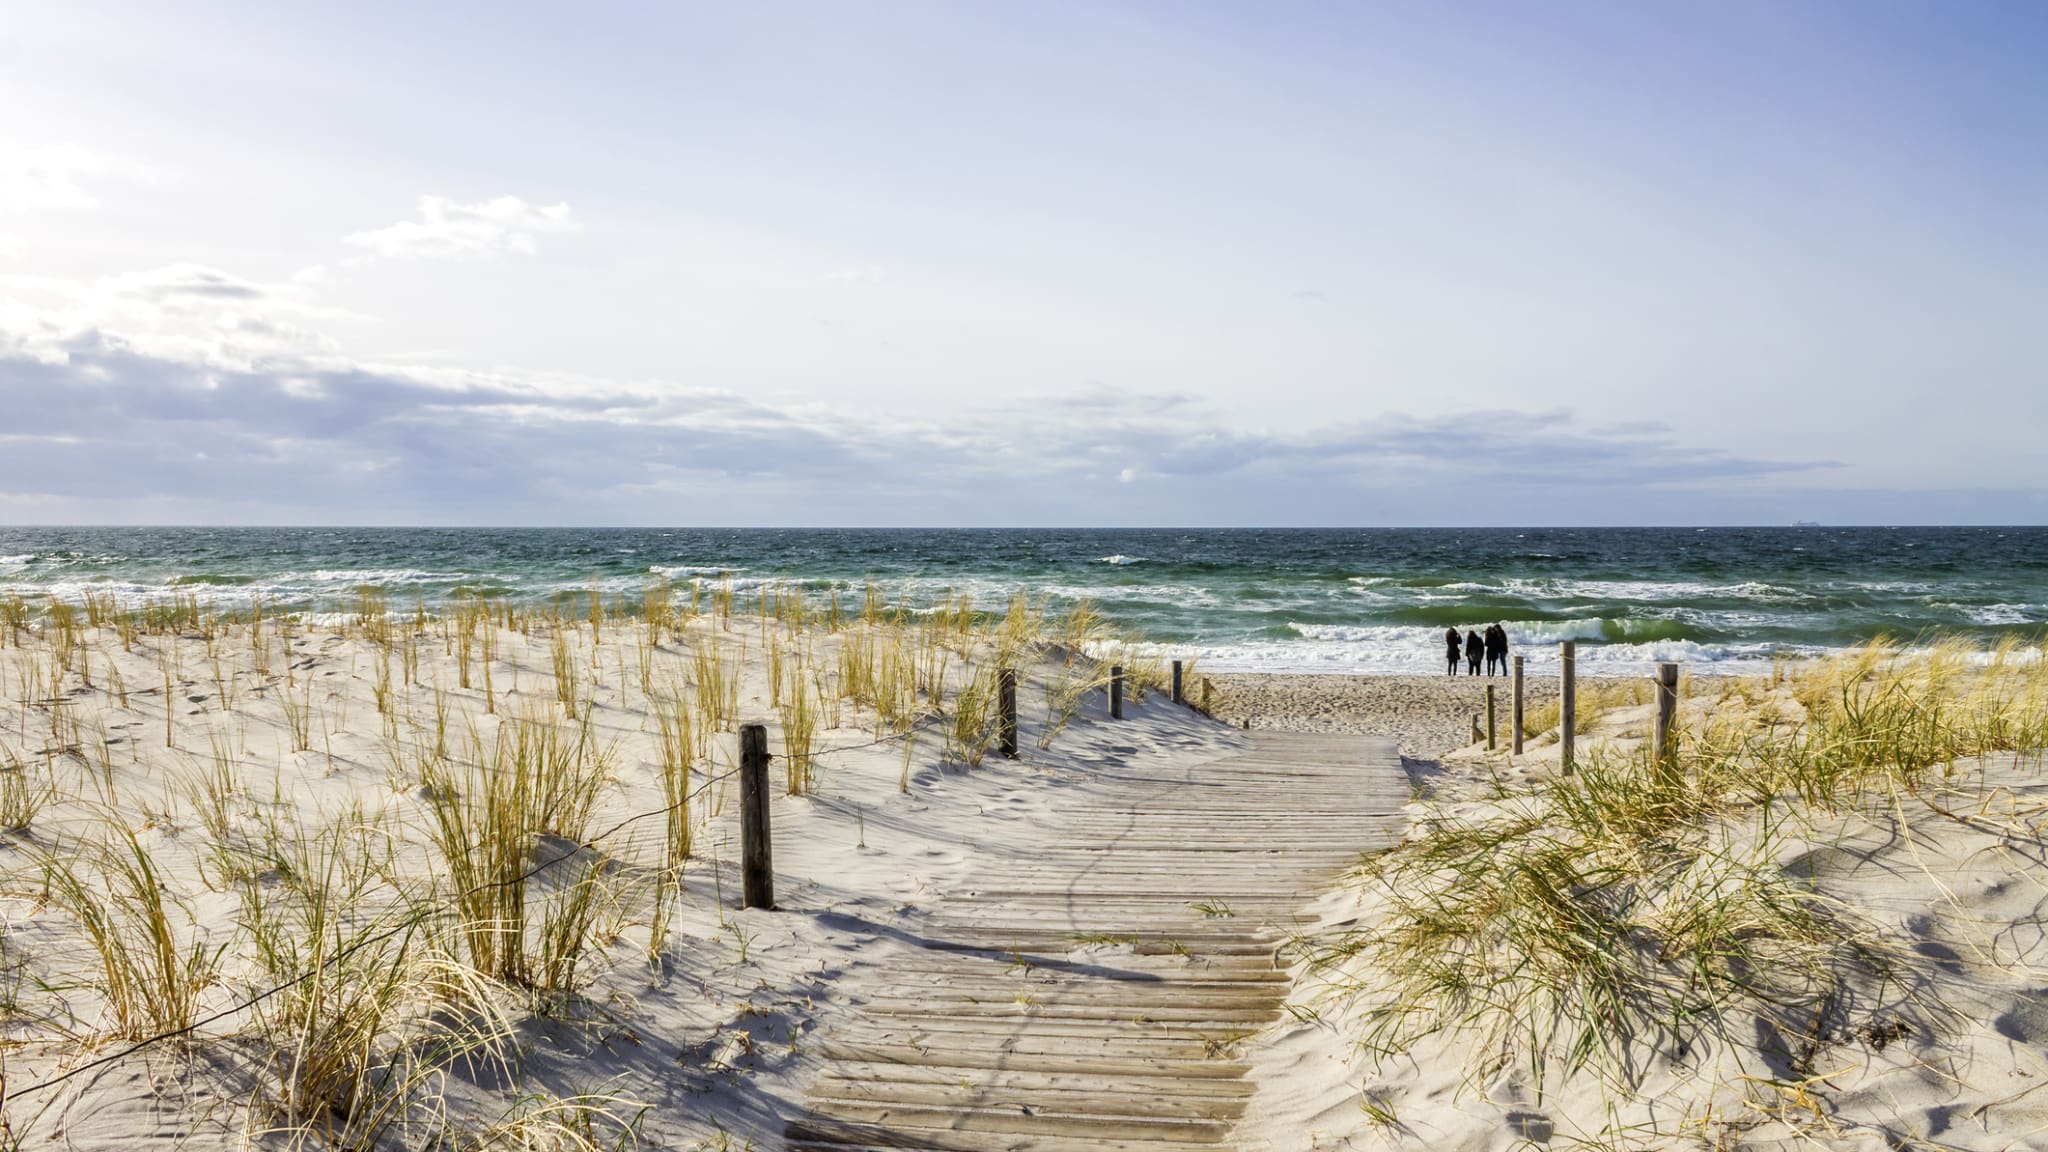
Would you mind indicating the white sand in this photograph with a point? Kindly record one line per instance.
(717, 1046)
(1427, 715)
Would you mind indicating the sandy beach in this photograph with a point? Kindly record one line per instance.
(1428, 715)
(203, 812)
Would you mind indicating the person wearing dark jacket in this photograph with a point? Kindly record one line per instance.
(1456, 644)
(1474, 648)
(1496, 648)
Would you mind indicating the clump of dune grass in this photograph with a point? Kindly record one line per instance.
(153, 962)
(24, 790)
(14, 617)
(971, 731)
(879, 670)
(717, 684)
(361, 1052)
(1597, 927)
(212, 790)
(298, 715)
(1017, 636)
(539, 1121)
(678, 755)
(489, 816)
(1066, 689)
(562, 654)
(371, 615)
(799, 740)
(778, 663)
(1081, 627)
(470, 616)
(351, 1036)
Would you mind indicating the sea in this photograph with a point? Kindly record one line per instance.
(1287, 600)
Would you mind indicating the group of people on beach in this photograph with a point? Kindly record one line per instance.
(1492, 645)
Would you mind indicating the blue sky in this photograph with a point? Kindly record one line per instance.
(980, 264)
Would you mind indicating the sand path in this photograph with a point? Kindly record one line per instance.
(1095, 997)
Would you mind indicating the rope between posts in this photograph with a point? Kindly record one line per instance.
(413, 920)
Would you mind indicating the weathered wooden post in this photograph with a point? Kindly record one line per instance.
(1667, 710)
(1567, 703)
(1177, 697)
(1489, 717)
(1116, 691)
(1206, 708)
(757, 858)
(1515, 732)
(1006, 711)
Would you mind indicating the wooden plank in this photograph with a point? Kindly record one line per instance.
(1022, 1120)
(1079, 1063)
(839, 1136)
(1075, 1100)
(1012, 1080)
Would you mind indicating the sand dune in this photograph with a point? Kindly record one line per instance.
(202, 810)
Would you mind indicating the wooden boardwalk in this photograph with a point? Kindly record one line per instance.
(1011, 1034)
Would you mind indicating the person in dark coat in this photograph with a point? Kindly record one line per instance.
(1456, 644)
(1474, 648)
(1496, 648)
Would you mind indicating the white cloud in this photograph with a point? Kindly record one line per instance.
(128, 368)
(36, 178)
(185, 313)
(450, 231)
(188, 281)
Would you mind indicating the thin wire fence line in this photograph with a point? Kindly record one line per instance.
(415, 918)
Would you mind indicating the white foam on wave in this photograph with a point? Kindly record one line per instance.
(1995, 614)
(1646, 591)
(1119, 559)
(681, 571)
(1551, 631)
(383, 576)
(128, 594)
(1367, 649)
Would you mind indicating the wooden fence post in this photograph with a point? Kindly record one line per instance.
(1006, 711)
(1116, 691)
(1567, 703)
(1177, 697)
(1489, 717)
(1667, 710)
(1515, 733)
(1206, 708)
(757, 858)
